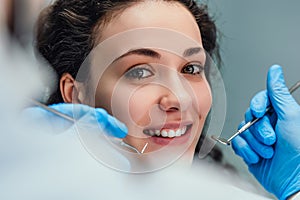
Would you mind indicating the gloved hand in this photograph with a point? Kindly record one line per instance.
(271, 148)
(83, 114)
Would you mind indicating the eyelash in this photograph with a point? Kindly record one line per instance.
(138, 72)
(199, 67)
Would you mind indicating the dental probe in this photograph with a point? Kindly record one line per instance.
(67, 117)
(249, 124)
(122, 143)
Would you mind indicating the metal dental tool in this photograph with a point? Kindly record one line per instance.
(144, 148)
(67, 117)
(122, 143)
(249, 124)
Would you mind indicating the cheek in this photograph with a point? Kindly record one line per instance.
(202, 103)
(132, 105)
(140, 106)
(203, 99)
(103, 96)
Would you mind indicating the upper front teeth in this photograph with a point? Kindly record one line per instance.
(167, 132)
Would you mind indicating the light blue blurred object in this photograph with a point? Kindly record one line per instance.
(271, 147)
(66, 113)
(59, 117)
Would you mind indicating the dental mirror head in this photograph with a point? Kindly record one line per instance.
(221, 140)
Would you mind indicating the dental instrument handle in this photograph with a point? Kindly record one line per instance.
(268, 110)
(67, 117)
(246, 126)
(294, 87)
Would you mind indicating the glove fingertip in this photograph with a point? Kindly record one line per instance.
(259, 103)
(266, 133)
(257, 114)
(248, 116)
(251, 157)
(241, 124)
(116, 128)
(241, 148)
(270, 139)
(111, 124)
(101, 115)
(268, 153)
(122, 131)
(282, 100)
(101, 111)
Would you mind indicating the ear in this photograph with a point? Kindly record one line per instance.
(68, 88)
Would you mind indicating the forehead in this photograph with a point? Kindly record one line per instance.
(159, 14)
(165, 40)
(167, 26)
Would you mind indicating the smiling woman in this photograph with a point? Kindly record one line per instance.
(146, 65)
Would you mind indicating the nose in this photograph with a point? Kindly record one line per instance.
(175, 97)
(169, 103)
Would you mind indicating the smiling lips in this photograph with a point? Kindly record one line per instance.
(167, 132)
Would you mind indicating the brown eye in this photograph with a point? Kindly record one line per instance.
(192, 69)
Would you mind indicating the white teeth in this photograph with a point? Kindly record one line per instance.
(171, 133)
(151, 133)
(183, 130)
(164, 133)
(167, 132)
(157, 132)
(178, 132)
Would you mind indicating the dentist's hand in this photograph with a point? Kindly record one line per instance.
(82, 114)
(271, 148)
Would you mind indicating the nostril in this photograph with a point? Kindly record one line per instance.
(169, 108)
(172, 109)
(169, 103)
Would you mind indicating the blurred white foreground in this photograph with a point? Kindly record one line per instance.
(38, 164)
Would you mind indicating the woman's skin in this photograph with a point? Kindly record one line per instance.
(153, 91)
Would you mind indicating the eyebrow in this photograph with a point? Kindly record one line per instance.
(192, 51)
(142, 52)
(153, 54)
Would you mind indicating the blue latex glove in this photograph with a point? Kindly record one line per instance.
(81, 113)
(271, 148)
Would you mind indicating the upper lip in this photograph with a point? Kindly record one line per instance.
(169, 125)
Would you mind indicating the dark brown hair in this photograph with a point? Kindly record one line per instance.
(66, 35)
(66, 31)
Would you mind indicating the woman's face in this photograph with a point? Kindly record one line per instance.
(157, 86)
